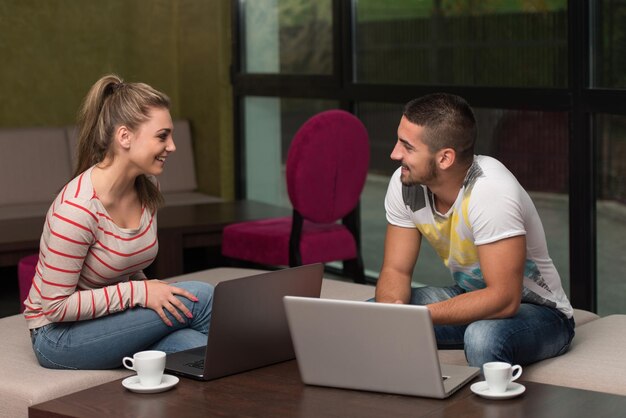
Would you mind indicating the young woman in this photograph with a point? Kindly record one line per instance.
(90, 303)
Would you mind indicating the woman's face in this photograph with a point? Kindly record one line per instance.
(152, 142)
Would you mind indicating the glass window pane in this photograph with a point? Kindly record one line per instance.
(287, 36)
(533, 145)
(611, 214)
(609, 43)
(494, 43)
(269, 125)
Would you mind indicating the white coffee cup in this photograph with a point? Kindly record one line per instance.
(149, 366)
(499, 374)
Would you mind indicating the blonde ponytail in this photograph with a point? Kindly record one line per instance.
(111, 103)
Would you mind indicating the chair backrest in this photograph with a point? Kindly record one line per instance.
(327, 166)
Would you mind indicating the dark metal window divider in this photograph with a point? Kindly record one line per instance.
(579, 99)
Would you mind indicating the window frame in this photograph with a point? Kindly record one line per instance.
(579, 99)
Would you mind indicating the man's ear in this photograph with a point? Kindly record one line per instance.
(446, 158)
(123, 136)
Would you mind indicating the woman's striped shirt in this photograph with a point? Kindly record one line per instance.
(88, 266)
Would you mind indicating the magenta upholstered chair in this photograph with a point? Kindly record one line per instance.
(25, 273)
(326, 169)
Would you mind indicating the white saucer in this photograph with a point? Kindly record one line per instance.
(167, 382)
(512, 390)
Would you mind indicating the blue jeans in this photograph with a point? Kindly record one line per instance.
(535, 333)
(101, 343)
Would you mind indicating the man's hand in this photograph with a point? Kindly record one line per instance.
(162, 297)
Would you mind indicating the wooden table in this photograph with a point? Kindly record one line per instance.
(276, 391)
(179, 228)
(193, 226)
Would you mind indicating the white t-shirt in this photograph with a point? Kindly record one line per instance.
(491, 206)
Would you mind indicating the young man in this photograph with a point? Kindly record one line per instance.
(507, 303)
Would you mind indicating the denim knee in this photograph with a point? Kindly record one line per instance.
(201, 309)
(485, 342)
(203, 291)
(534, 333)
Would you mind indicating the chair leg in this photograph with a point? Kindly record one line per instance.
(354, 268)
(297, 222)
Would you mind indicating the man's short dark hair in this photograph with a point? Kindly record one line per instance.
(448, 121)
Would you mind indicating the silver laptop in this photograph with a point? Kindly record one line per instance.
(370, 346)
(248, 324)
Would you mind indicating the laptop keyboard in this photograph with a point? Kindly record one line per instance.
(198, 364)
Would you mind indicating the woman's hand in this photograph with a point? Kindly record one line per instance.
(162, 297)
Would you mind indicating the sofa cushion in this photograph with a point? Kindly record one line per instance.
(178, 181)
(71, 134)
(179, 174)
(28, 210)
(582, 317)
(595, 360)
(457, 357)
(34, 165)
(24, 382)
(42, 160)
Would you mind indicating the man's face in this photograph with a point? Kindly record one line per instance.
(418, 163)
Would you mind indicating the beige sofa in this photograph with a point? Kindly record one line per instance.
(36, 162)
(594, 362)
